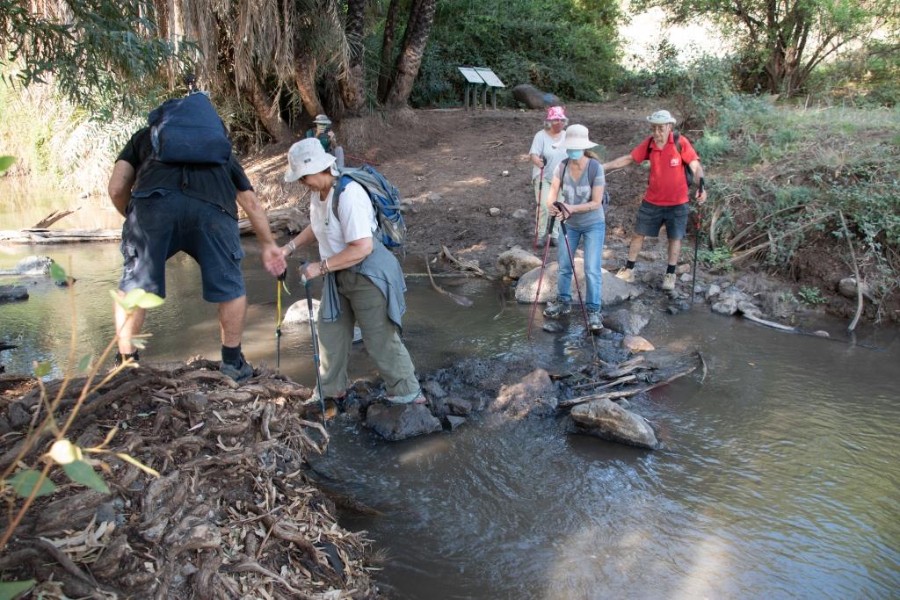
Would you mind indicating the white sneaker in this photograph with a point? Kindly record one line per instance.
(626, 275)
(668, 283)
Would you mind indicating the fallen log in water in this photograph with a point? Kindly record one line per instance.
(634, 376)
(62, 236)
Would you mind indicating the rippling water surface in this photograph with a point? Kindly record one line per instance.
(779, 475)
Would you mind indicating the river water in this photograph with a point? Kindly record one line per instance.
(779, 476)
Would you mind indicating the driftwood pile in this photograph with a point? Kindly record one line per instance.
(232, 515)
(634, 376)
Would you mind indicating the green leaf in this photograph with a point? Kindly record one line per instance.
(6, 162)
(42, 368)
(11, 589)
(149, 300)
(57, 273)
(24, 482)
(83, 473)
(84, 363)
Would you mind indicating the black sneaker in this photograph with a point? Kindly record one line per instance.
(557, 309)
(121, 358)
(239, 373)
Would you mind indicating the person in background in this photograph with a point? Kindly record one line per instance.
(667, 196)
(363, 281)
(323, 132)
(545, 153)
(578, 184)
(191, 208)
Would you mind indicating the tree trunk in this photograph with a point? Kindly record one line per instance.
(305, 78)
(410, 58)
(267, 111)
(353, 84)
(387, 51)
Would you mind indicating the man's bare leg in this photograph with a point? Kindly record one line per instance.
(127, 326)
(634, 248)
(231, 321)
(674, 251)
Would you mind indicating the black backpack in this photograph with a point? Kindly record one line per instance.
(688, 173)
(593, 166)
(188, 130)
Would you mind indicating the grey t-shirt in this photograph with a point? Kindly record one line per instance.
(579, 192)
(543, 146)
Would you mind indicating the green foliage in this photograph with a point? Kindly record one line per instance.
(565, 47)
(790, 172)
(101, 55)
(697, 89)
(81, 472)
(11, 589)
(780, 44)
(717, 259)
(866, 76)
(5, 163)
(29, 481)
(811, 295)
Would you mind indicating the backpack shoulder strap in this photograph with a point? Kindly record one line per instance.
(677, 137)
(593, 170)
(342, 182)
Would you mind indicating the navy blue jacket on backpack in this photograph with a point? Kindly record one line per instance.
(188, 130)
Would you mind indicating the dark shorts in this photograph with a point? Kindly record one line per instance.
(651, 217)
(164, 224)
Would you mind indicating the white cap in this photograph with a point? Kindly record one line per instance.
(661, 117)
(305, 158)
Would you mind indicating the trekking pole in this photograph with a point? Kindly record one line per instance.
(564, 230)
(537, 294)
(315, 338)
(281, 282)
(537, 209)
(697, 222)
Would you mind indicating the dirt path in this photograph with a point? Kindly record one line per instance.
(450, 164)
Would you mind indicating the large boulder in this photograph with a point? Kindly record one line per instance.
(13, 293)
(516, 262)
(628, 322)
(615, 291)
(534, 395)
(607, 420)
(532, 97)
(401, 421)
(298, 313)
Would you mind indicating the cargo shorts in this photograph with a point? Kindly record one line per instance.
(161, 225)
(651, 217)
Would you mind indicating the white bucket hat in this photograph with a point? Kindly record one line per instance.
(661, 117)
(577, 138)
(322, 120)
(305, 158)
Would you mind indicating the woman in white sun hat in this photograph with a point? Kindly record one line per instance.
(363, 281)
(578, 184)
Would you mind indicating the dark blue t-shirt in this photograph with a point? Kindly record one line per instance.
(216, 184)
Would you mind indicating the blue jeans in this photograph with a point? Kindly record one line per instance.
(594, 237)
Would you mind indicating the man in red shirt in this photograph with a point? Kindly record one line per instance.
(667, 196)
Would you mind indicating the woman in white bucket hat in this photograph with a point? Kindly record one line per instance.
(363, 281)
(576, 197)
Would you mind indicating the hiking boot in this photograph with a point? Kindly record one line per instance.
(121, 358)
(416, 397)
(668, 283)
(595, 321)
(557, 309)
(239, 373)
(626, 275)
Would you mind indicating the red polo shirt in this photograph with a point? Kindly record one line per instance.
(667, 185)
